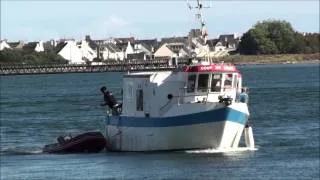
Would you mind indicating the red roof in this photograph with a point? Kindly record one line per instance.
(212, 68)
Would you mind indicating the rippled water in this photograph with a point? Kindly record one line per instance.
(35, 109)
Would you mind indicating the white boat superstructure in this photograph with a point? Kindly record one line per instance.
(196, 108)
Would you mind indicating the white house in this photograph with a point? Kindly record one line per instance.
(147, 46)
(70, 51)
(17, 45)
(139, 47)
(4, 45)
(36, 46)
(163, 51)
(129, 50)
(110, 51)
(217, 49)
(87, 52)
(39, 47)
(230, 41)
(172, 50)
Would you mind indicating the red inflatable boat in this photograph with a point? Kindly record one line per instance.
(89, 142)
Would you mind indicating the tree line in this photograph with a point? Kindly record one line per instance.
(21, 56)
(277, 37)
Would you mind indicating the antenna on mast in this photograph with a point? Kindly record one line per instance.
(199, 16)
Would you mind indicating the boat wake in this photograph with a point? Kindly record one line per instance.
(226, 150)
(20, 152)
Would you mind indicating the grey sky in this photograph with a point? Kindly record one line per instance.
(43, 20)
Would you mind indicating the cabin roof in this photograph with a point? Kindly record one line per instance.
(211, 68)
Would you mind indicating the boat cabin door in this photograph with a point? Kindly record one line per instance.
(135, 96)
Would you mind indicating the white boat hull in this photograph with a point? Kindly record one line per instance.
(163, 134)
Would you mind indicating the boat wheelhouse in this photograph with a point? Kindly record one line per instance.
(213, 81)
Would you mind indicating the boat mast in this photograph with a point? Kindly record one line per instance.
(199, 16)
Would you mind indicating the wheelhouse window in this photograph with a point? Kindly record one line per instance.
(216, 82)
(203, 82)
(129, 90)
(228, 81)
(191, 83)
(139, 99)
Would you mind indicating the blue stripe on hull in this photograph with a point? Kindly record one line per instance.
(215, 115)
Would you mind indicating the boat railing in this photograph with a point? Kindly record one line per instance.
(202, 92)
(183, 94)
(180, 99)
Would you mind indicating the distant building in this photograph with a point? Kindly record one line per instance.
(17, 45)
(230, 41)
(124, 40)
(163, 52)
(216, 45)
(217, 49)
(147, 46)
(110, 51)
(137, 56)
(39, 47)
(87, 52)
(129, 50)
(33, 46)
(49, 46)
(70, 51)
(4, 45)
(173, 47)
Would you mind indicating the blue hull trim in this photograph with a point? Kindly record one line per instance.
(216, 115)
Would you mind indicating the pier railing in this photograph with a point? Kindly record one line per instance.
(23, 69)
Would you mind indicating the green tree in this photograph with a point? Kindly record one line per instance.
(30, 57)
(312, 40)
(269, 37)
(299, 45)
(282, 34)
(248, 43)
(10, 56)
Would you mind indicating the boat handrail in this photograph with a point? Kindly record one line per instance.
(183, 94)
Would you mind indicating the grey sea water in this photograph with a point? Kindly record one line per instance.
(35, 109)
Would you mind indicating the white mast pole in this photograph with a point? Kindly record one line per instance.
(199, 15)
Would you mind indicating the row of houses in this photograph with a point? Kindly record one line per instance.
(127, 49)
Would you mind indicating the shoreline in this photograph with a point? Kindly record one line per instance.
(272, 59)
(279, 63)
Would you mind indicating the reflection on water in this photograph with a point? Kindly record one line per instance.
(225, 150)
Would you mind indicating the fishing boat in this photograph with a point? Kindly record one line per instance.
(89, 142)
(202, 105)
